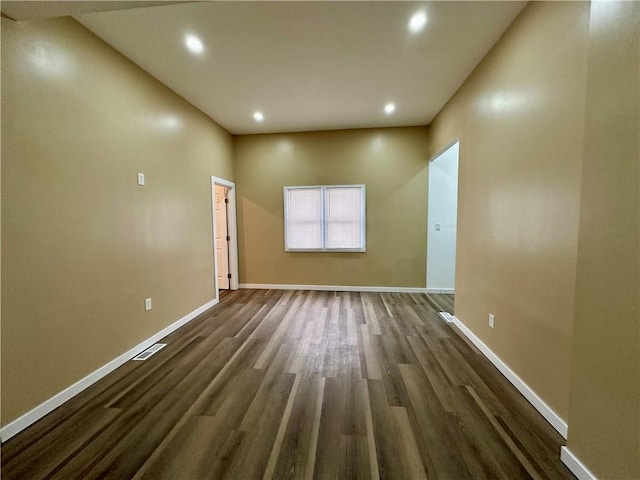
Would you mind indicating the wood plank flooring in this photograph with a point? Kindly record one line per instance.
(296, 384)
(441, 302)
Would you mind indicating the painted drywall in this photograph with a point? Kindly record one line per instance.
(604, 413)
(391, 162)
(442, 220)
(520, 121)
(84, 245)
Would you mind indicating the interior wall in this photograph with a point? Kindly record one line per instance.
(83, 245)
(391, 162)
(604, 415)
(520, 121)
(442, 220)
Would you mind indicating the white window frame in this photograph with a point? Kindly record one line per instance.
(324, 188)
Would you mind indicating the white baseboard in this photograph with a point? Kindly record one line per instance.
(54, 402)
(333, 288)
(575, 465)
(552, 417)
(448, 291)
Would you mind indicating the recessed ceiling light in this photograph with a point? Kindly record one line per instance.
(417, 21)
(194, 44)
(258, 116)
(389, 108)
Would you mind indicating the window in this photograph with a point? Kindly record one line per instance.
(324, 218)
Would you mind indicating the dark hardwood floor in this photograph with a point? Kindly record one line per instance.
(293, 384)
(441, 302)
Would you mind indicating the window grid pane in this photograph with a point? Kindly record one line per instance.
(324, 218)
(304, 218)
(343, 217)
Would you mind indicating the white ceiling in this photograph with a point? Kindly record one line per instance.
(309, 65)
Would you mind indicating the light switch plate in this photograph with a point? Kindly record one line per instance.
(147, 304)
(140, 178)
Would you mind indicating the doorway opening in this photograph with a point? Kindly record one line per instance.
(442, 224)
(224, 236)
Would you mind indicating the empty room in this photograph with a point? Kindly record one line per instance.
(268, 240)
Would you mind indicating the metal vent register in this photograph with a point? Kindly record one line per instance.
(149, 351)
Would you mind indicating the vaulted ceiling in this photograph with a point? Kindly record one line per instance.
(305, 65)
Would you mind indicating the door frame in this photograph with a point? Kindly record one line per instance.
(232, 231)
(426, 276)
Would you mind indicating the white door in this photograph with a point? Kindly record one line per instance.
(222, 245)
(442, 221)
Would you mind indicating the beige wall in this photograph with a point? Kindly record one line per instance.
(549, 135)
(82, 244)
(391, 162)
(604, 414)
(520, 121)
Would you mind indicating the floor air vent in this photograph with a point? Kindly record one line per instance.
(149, 351)
(447, 316)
